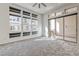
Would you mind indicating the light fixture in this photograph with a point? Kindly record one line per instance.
(39, 5)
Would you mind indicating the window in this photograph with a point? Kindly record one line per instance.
(71, 10)
(34, 26)
(34, 15)
(12, 35)
(51, 15)
(34, 32)
(26, 13)
(26, 24)
(59, 13)
(26, 33)
(15, 23)
(22, 22)
(15, 10)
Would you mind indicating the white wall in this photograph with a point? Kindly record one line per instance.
(5, 28)
(4, 23)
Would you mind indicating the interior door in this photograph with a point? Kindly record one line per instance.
(59, 28)
(70, 28)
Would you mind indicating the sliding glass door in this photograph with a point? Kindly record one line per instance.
(64, 28)
(70, 28)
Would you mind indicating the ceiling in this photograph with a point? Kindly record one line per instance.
(42, 9)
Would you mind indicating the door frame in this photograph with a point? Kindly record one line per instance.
(63, 26)
(76, 28)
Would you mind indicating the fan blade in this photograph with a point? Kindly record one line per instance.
(44, 4)
(39, 5)
(34, 5)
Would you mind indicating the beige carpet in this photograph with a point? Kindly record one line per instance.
(40, 47)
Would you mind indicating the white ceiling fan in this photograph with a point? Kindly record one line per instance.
(39, 5)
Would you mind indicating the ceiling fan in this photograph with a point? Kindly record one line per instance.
(39, 5)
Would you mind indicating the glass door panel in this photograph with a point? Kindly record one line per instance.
(70, 28)
(59, 28)
(52, 28)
